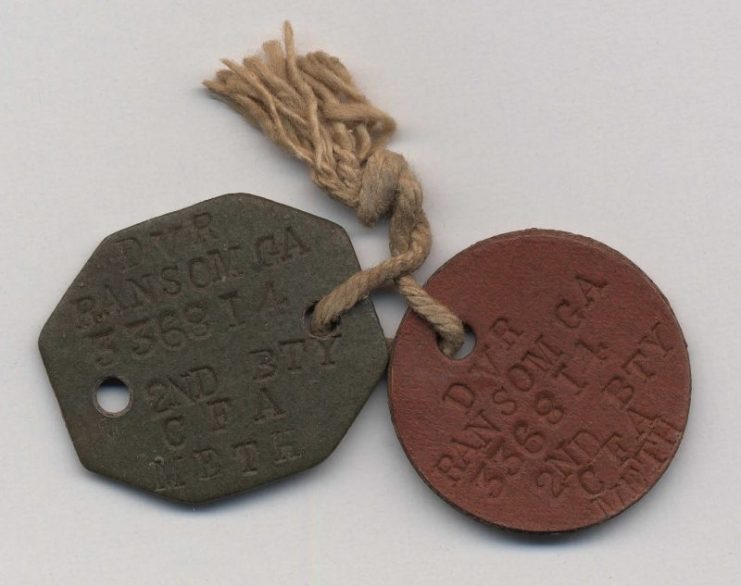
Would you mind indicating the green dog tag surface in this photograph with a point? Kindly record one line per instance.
(201, 314)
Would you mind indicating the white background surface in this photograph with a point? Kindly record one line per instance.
(619, 120)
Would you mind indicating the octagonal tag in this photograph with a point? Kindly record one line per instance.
(201, 314)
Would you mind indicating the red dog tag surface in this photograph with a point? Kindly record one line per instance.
(574, 399)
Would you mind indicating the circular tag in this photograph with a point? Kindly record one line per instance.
(576, 394)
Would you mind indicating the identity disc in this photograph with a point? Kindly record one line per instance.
(576, 394)
(201, 313)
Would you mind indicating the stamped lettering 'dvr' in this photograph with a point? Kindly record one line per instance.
(201, 313)
(574, 399)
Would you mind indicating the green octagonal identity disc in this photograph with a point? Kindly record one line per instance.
(201, 314)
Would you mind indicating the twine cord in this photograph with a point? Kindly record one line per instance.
(309, 105)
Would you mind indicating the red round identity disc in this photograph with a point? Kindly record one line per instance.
(576, 394)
